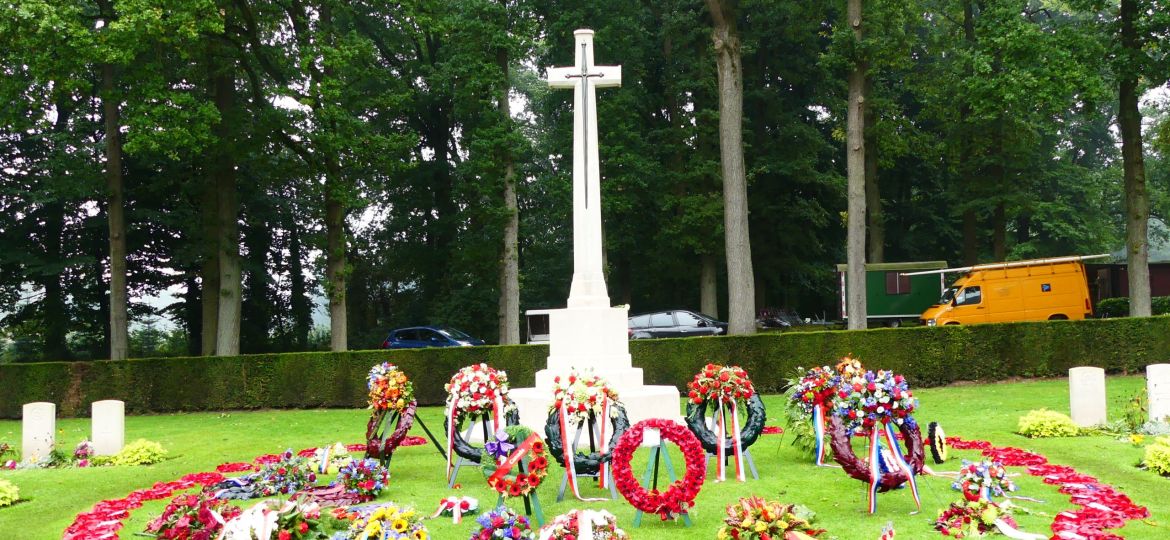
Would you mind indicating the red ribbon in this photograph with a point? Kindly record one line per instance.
(518, 454)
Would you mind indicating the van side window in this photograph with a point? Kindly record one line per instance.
(970, 296)
(896, 283)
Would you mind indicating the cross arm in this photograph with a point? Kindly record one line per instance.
(611, 76)
(559, 77)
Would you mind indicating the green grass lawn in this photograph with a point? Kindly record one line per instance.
(199, 442)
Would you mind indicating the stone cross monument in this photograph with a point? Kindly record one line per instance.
(589, 334)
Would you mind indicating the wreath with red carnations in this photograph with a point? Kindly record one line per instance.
(507, 454)
(476, 392)
(680, 496)
(719, 385)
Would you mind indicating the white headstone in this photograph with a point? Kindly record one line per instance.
(38, 431)
(1086, 392)
(1158, 388)
(108, 427)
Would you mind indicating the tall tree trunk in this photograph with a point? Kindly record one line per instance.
(209, 272)
(119, 338)
(855, 169)
(875, 221)
(335, 245)
(509, 302)
(192, 316)
(227, 340)
(967, 176)
(728, 63)
(301, 310)
(55, 320)
(1137, 202)
(708, 286)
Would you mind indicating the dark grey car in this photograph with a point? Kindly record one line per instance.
(674, 323)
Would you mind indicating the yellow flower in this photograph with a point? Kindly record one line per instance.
(761, 526)
(1136, 439)
(399, 525)
(420, 534)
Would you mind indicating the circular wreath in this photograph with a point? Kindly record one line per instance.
(938, 442)
(816, 388)
(859, 468)
(720, 382)
(521, 482)
(680, 496)
(389, 388)
(463, 448)
(585, 463)
(473, 389)
(868, 399)
(382, 447)
(697, 423)
(977, 475)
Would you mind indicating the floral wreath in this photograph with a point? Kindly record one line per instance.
(456, 507)
(500, 457)
(982, 480)
(475, 392)
(581, 395)
(870, 398)
(974, 519)
(939, 449)
(188, 514)
(389, 521)
(363, 477)
(585, 401)
(680, 496)
(503, 522)
(284, 473)
(723, 388)
(382, 446)
(754, 517)
(390, 389)
(570, 526)
(813, 396)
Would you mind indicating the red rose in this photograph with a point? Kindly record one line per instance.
(303, 527)
(284, 535)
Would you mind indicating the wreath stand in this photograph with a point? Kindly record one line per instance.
(531, 501)
(658, 452)
(392, 420)
(460, 461)
(594, 436)
(713, 424)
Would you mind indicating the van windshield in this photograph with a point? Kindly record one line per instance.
(948, 295)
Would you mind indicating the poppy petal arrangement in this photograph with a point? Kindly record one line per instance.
(679, 497)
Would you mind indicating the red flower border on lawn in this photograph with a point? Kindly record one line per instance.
(680, 496)
(1101, 505)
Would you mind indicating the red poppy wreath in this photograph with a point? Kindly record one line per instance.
(680, 496)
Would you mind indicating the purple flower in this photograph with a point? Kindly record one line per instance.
(499, 447)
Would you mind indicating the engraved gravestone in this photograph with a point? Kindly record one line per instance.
(1086, 392)
(1158, 388)
(38, 431)
(108, 427)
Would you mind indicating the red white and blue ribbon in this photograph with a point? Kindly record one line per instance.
(900, 461)
(603, 422)
(819, 430)
(737, 448)
(875, 472)
(569, 453)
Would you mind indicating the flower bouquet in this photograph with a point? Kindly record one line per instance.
(277, 520)
(720, 383)
(973, 519)
(194, 517)
(571, 525)
(390, 389)
(363, 477)
(850, 367)
(502, 522)
(816, 388)
(867, 399)
(581, 395)
(288, 475)
(753, 518)
(82, 453)
(983, 480)
(474, 390)
(387, 522)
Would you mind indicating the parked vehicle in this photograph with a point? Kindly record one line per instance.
(1035, 290)
(891, 295)
(675, 323)
(417, 337)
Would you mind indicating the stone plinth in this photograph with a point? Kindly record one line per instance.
(1158, 388)
(108, 429)
(1086, 389)
(38, 431)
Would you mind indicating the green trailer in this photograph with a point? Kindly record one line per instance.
(892, 297)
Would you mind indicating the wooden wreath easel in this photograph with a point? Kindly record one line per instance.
(460, 461)
(531, 501)
(390, 423)
(713, 425)
(594, 436)
(658, 452)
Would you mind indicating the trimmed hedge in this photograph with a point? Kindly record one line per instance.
(1119, 307)
(927, 356)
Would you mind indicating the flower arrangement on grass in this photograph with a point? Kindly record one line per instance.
(1045, 423)
(816, 388)
(139, 452)
(388, 522)
(192, 517)
(754, 518)
(277, 520)
(503, 456)
(504, 523)
(9, 493)
(456, 507)
(870, 398)
(679, 497)
(983, 480)
(973, 519)
(568, 526)
(364, 477)
(720, 383)
(289, 474)
(390, 389)
(82, 453)
(581, 395)
(475, 390)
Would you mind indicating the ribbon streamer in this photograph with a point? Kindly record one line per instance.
(900, 461)
(455, 505)
(819, 429)
(735, 436)
(603, 469)
(567, 452)
(506, 466)
(451, 439)
(1014, 533)
(875, 473)
(720, 453)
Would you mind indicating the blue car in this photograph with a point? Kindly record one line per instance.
(417, 337)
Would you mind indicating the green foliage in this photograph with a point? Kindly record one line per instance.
(1044, 423)
(1136, 411)
(1157, 456)
(9, 493)
(926, 356)
(139, 452)
(1119, 307)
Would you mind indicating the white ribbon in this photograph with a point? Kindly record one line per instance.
(586, 519)
(1014, 533)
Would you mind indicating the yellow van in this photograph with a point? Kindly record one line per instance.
(1036, 290)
